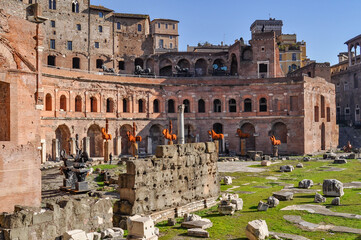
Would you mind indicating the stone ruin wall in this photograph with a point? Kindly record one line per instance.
(176, 176)
(51, 222)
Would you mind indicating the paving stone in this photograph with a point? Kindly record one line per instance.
(287, 236)
(340, 161)
(283, 196)
(198, 232)
(203, 224)
(266, 163)
(320, 209)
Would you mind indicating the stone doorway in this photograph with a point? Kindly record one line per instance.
(62, 134)
(251, 141)
(125, 143)
(95, 141)
(155, 134)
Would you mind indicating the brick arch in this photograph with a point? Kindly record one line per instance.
(124, 139)
(249, 128)
(62, 134)
(96, 141)
(48, 102)
(184, 63)
(201, 67)
(155, 133)
(165, 67)
(189, 133)
(280, 131)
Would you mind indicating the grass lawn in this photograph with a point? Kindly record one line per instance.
(233, 227)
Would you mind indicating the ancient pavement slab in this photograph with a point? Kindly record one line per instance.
(283, 195)
(198, 232)
(299, 190)
(318, 209)
(288, 236)
(239, 167)
(197, 224)
(319, 227)
(352, 185)
(232, 188)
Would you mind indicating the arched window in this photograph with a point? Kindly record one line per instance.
(248, 105)
(156, 106)
(217, 105)
(232, 105)
(139, 27)
(63, 102)
(78, 104)
(201, 106)
(171, 106)
(48, 102)
(322, 106)
(110, 105)
(263, 105)
(93, 104)
(51, 60)
(125, 105)
(187, 106)
(140, 105)
(76, 63)
(100, 63)
(75, 7)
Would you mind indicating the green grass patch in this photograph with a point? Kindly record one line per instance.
(233, 227)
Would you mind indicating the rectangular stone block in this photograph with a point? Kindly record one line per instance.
(42, 217)
(81, 186)
(166, 151)
(210, 147)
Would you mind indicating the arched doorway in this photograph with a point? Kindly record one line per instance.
(95, 141)
(156, 136)
(218, 128)
(234, 65)
(251, 141)
(125, 143)
(62, 133)
(200, 67)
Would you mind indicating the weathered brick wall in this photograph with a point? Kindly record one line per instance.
(51, 222)
(176, 176)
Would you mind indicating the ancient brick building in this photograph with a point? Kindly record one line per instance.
(346, 76)
(20, 107)
(44, 108)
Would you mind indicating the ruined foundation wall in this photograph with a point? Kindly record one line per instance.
(51, 222)
(176, 176)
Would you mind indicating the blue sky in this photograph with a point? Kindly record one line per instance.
(324, 24)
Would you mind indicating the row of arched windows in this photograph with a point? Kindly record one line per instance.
(74, 6)
(217, 105)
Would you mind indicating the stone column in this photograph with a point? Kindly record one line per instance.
(43, 150)
(55, 150)
(275, 150)
(118, 145)
(181, 124)
(166, 141)
(223, 144)
(106, 151)
(149, 145)
(72, 146)
(86, 145)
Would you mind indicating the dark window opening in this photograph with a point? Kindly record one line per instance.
(76, 63)
(96, 44)
(201, 106)
(171, 106)
(140, 105)
(248, 105)
(110, 105)
(51, 60)
(48, 102)
(52, 43)
(52, 24)
(78, 104)
(100, 28)
(70, 45)
(322, 106)
(139, 27)
(316, 114)
(263, 105)
(78, 27)
(125, 105)
(100, 63)
(232, 105)
(52, 4)
(75, 7)
(118, 25)
(217, 105)
(156, 106)
(93, 104)
(101, 15)
(63, 103)
(121, 65)
(329, 114)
